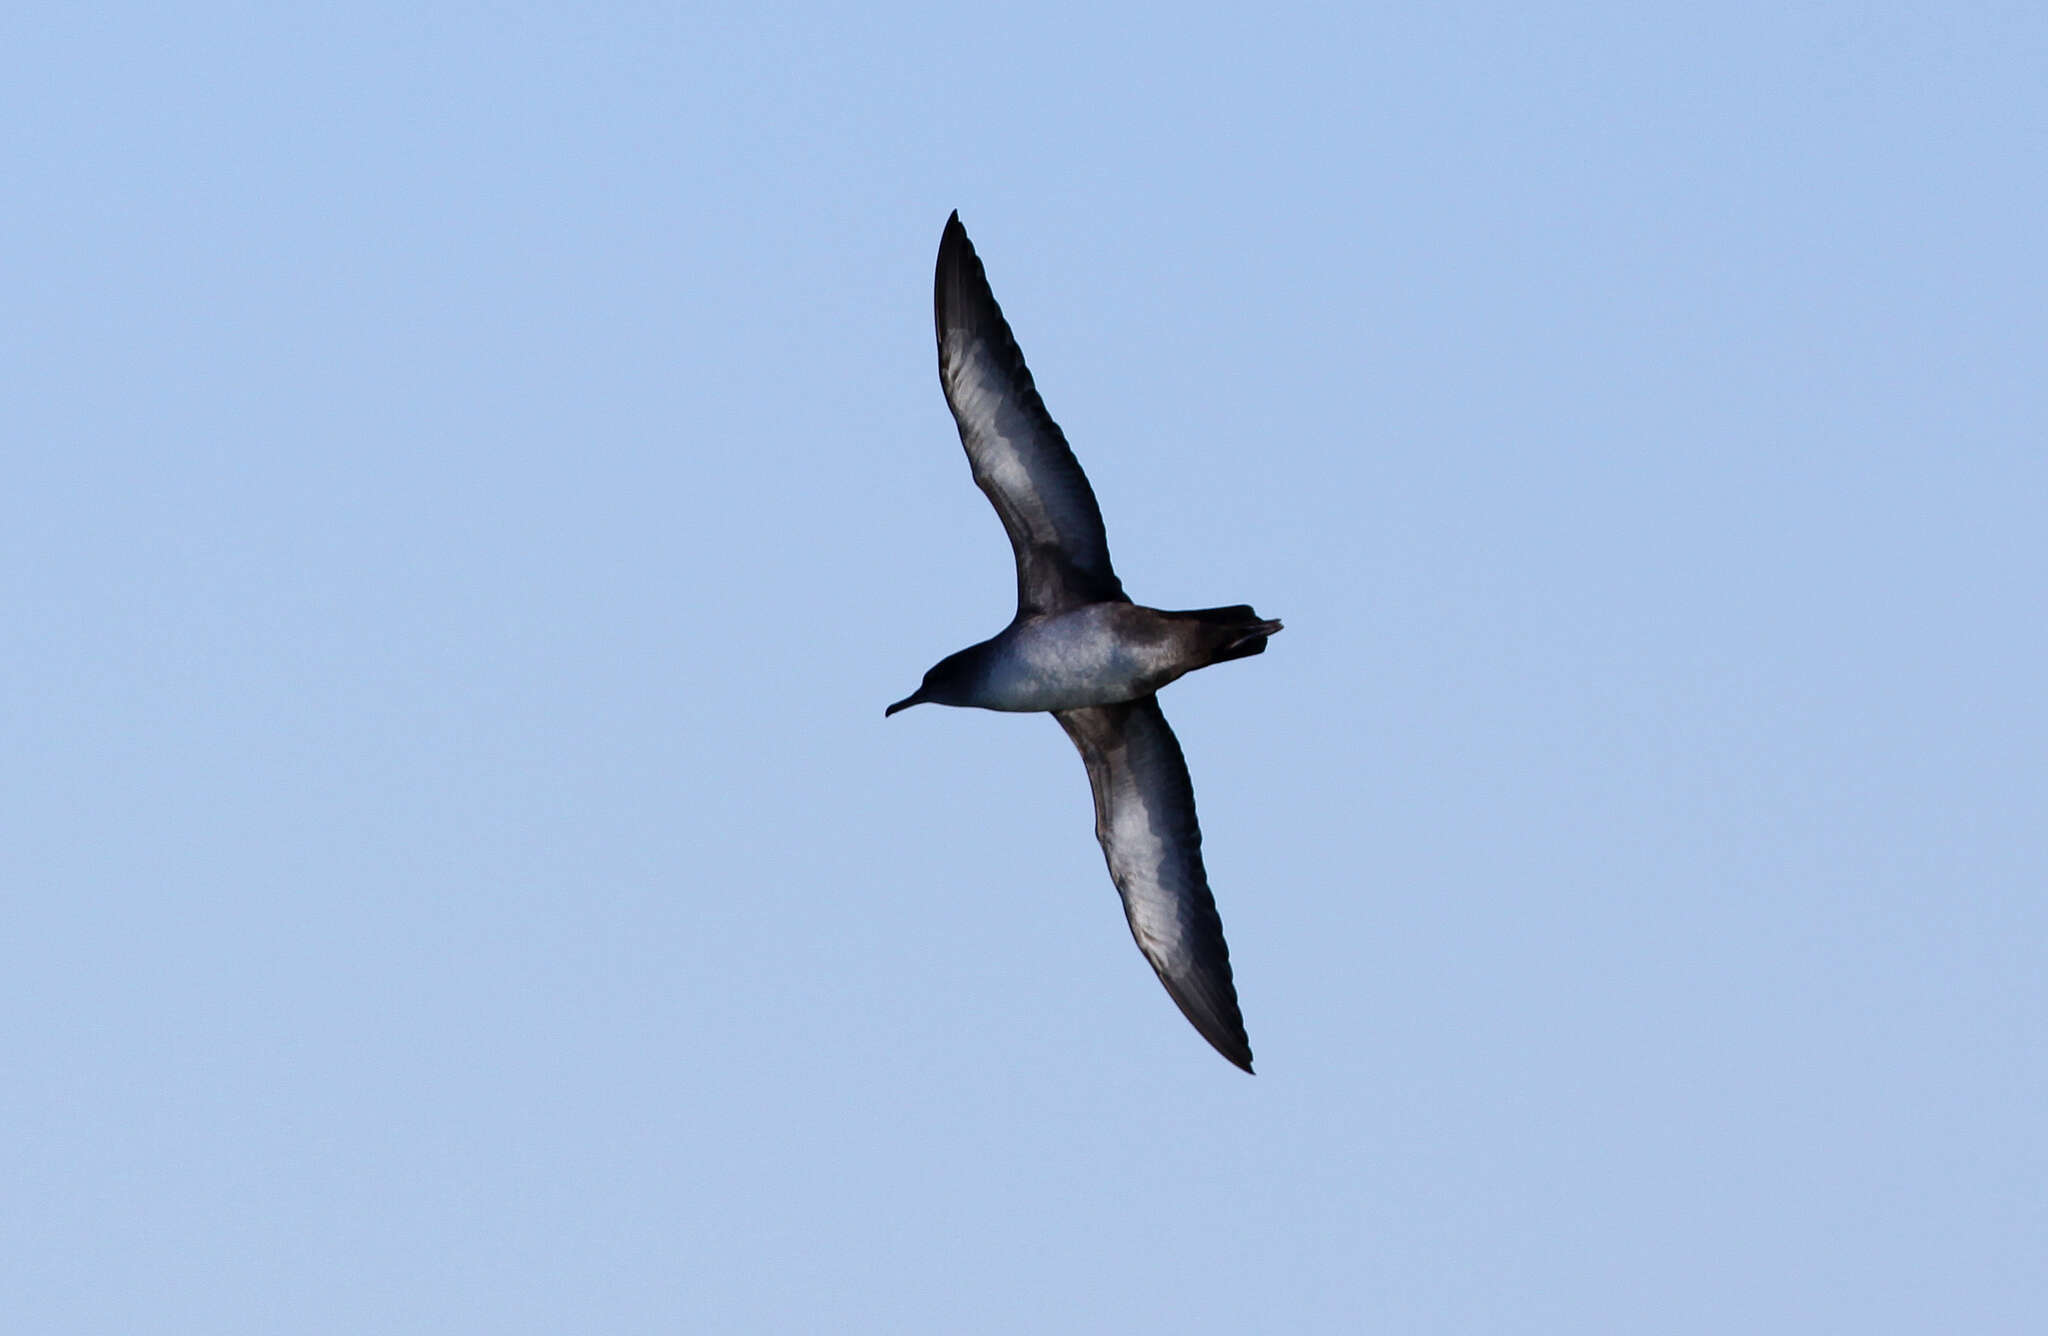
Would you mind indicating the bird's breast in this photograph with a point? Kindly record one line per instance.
(1097, 655)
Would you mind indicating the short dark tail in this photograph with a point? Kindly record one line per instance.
(1236, 632)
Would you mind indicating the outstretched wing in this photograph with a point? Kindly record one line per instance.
(1018, 453)
(1145, 818)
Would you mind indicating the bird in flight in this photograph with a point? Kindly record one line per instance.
(1079, 649)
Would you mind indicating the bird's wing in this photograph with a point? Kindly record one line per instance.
(1018, 453)
(1145, 818)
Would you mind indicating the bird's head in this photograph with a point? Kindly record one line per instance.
(950, 682)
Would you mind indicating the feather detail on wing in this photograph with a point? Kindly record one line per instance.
(1145, 819)
(1019, 455)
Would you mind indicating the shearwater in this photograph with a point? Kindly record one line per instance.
(1080, 649)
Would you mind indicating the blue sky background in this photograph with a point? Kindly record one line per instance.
(473, 479)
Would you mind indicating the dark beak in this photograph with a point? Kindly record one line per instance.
(914, 698)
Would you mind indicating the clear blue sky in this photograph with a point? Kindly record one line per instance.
(473, 479)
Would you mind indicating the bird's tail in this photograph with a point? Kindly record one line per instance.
(1235, 632)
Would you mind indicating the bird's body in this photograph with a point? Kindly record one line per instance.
(1081, 650)
(1096, 654)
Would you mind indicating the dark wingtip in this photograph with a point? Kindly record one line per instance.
(1214, 1014)
(958, 268)
(955, 234)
